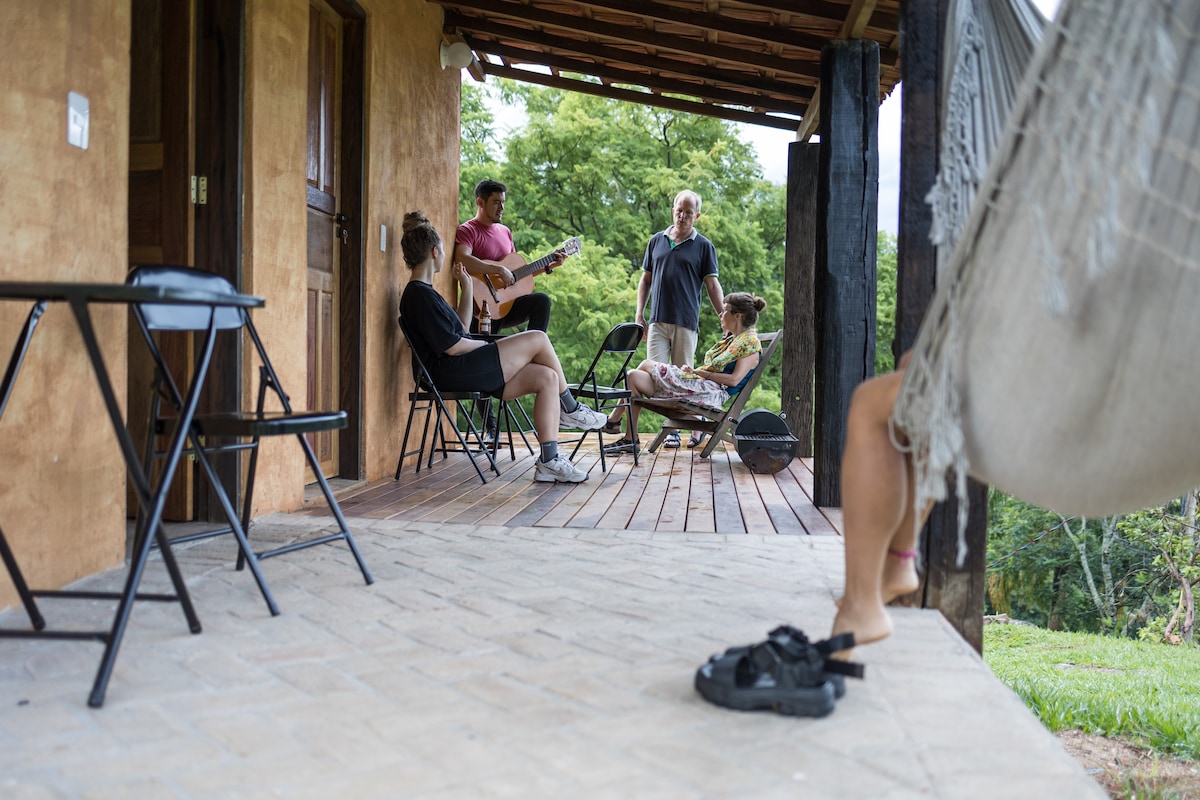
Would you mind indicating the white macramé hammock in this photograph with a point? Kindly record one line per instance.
(1057, 359)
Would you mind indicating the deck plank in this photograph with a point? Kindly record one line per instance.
(754, 511)
(673, 516)
(649, 508)
(777, 506)
(611, 485)
(475, 505)
(726, 503)
(670, 490)
(818, 521)
(633, 485)
(701, 511)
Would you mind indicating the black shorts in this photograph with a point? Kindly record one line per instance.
(476, 371)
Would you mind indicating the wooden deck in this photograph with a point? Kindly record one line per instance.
(671, 490)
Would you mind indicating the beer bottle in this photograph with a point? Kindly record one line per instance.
(485, 319)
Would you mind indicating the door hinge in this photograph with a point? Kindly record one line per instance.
(199, 190)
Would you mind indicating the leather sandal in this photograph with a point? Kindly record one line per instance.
(787, 673)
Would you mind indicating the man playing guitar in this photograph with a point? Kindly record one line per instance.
(482, 242)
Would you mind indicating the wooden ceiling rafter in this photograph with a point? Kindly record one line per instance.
(644, 98)
(753, 61)
(729, 55)
(513, 56)
(653, 38)
(551, 44)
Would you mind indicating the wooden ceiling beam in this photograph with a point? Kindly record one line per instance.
(830, 12)
(456, 22)
(657, 83)
(643, 98)
(695, 47)
(770, 34)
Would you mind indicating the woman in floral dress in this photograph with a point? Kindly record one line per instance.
(726, 368)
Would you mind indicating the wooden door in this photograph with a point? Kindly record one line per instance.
(325, 229)
(161, 222)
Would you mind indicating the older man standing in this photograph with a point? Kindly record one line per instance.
(679, 264)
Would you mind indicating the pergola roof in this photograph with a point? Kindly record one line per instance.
(745, 61)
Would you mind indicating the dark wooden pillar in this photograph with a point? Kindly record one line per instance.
(799, 331)
(957, 593)
(847, 213)
(218, 128)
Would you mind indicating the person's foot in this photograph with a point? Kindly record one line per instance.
(613, 426)
(868, 623)
(558, 470)
(582, 419)
(672, 440)
(622, 446)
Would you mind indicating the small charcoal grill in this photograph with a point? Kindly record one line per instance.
(764, 442)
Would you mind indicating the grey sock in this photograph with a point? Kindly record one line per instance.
(568, 401)
(549, 451)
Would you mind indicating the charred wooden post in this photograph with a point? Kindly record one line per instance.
(844, 284)
(957, 593)
(799, 333)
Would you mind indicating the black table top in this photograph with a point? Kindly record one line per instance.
(59, 291)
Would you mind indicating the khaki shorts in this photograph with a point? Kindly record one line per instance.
(671, 344)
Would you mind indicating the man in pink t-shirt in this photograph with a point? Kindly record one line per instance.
(482, 241)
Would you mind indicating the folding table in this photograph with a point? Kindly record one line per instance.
(151, 496)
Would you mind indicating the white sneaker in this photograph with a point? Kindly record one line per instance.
(582, 419)
(560, 470)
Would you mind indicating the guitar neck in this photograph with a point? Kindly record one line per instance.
(533, 267)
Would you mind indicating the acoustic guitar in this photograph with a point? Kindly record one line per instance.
(500, 297)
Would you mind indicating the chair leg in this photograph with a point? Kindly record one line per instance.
(335, 507)
(14, 572)
(412, 412)
(236, 528)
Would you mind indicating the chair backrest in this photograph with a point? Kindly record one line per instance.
(770, 342)
(623, 339)
(184, 317)
(422, 380)
(161, 317)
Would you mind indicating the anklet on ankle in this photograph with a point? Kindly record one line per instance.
(902, 554)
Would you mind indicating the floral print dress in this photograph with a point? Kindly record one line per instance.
(682, 383)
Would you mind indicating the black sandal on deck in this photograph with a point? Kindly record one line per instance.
(787, 673)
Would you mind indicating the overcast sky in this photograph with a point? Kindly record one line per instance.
(771, 144)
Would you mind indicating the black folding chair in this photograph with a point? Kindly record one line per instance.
(428, 399)
(232, 431)
(612, 359)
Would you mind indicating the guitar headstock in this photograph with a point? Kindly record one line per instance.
(571, 246)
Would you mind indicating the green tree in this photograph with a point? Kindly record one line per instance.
(478, 144)
(885, 302)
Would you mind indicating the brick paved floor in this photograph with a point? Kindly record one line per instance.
(503, 662)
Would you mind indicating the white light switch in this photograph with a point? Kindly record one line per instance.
(383, 238)
(77, 120)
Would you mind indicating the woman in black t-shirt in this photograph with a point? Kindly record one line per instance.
(517, 365)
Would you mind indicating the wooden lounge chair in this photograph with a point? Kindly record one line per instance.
(682, 415)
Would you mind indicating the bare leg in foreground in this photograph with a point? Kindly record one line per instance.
(877, 508)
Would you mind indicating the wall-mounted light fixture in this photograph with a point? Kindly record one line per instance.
(456, 54)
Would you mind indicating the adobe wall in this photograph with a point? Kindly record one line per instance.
(62, 498)
(411, 161)
(62, 478)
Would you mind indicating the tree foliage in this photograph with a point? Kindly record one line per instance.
(607, 172)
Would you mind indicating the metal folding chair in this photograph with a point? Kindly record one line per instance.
(234, 431)
(615, 353)
(428, 399)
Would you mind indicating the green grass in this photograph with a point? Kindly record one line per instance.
(1140, 691)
